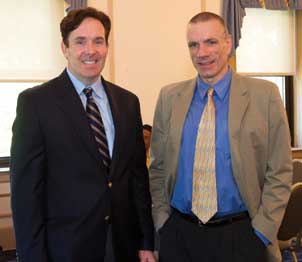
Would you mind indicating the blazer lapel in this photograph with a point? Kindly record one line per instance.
(181, 102)
(68, 100)
(116, 121)
(239, 100)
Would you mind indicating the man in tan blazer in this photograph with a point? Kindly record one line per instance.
(253, 169)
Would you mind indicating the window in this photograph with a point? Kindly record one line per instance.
(279, 81)
(30, 46)
(29, 55)
(285, 86)
(267, 43)
(267, 51)
(9, 92)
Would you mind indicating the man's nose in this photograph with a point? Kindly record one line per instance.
(202, 51)
(90, 48)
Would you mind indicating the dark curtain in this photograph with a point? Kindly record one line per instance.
(295, 4)
(251, 3)
(74, 4)
(233, 14)
(276, 5)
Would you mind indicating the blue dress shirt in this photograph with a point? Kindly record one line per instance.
(229, 199)
(228, 196)
(101, 100)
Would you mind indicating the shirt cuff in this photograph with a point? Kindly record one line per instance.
(265, 241)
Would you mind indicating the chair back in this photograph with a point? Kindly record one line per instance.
(297, 171)
(292, 221)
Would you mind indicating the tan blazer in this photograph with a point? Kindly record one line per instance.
(260, 150)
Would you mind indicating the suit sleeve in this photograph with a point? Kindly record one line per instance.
(27, 169)
(278, 177)
(142, 197)
(161, 206)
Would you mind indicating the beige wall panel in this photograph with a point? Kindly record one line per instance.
(105, 6)
(5, 223)
(150, 47)
(99, 4)
(5, 208)
(7, 239)
(214, 6)
(298, 86)
(4, 188)
(4, 177)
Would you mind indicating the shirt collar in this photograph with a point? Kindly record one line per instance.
(221, 88)
(97, 86)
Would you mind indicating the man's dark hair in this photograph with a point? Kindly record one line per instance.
(208, 16)
(76, 17)
(147, 127)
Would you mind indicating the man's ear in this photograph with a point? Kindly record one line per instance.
(229, 42)
(64, 49)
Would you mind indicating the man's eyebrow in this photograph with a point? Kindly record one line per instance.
(100, 37)
(210, 40)
(79, 38)
(83, 38)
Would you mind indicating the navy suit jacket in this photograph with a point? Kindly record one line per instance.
(62, 198)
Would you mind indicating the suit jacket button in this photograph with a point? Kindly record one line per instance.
(110, 184)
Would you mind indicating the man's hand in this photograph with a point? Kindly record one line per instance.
(146, 256)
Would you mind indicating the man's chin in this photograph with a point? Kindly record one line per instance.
(206, 76)
(90, 79)
(92, 75)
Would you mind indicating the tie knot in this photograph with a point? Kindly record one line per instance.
(88, 92)
(210, 91)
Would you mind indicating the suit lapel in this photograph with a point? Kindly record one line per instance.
(238, 104)
(69, 102)
(239, 101)
(180, 104)
(116, 121)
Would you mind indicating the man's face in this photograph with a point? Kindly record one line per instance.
(87, 50)
(209, 47)
(147, 138)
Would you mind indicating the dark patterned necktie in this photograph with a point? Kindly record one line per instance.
(97, 126)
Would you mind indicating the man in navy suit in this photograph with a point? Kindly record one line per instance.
(65, 201)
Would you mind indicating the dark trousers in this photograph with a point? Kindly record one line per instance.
(182, 240)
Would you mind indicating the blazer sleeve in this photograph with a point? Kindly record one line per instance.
(142, 197)
(161, 206)
(278, 176)
(28, 164)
